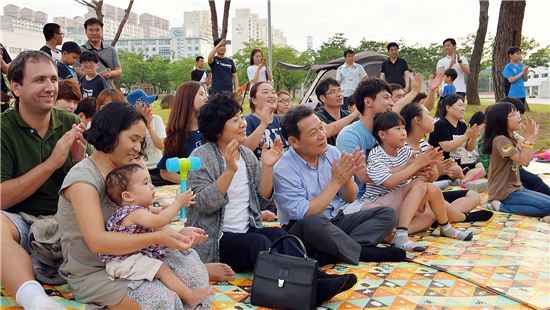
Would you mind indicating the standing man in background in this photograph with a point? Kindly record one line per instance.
(200, 74)
(455, 61)
(109, 64)
(394, 69)
(224, 71)
(54, 37)
(349, 75)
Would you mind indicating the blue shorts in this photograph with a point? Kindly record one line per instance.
(23, 228)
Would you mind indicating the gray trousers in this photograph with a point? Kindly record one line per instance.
(342, 237)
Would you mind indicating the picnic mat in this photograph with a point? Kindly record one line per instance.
(506, 266)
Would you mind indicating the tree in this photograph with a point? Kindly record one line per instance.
(334, 47)
(122, 23)
(475, 60)
(214, 18)
(510, 21)
(97, 6)
(539, 58)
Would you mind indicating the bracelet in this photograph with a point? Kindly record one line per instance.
(527, 146)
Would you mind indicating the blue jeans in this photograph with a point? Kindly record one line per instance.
(526, 202)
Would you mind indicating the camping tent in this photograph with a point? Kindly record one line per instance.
(371, 61)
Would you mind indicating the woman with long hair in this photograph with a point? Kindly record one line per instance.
(258, 71)
(182, 130)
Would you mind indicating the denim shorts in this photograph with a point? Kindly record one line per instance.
(23, 228)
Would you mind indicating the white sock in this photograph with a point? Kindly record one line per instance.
(31, 295)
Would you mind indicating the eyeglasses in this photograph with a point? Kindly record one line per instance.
(284, 100)
(515, 113)
(335, 91)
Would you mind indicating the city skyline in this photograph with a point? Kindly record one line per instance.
(412, 21)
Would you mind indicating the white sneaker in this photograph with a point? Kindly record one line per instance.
(492, 205)
(45, 303)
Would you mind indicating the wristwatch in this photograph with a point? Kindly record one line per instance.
(460, 61)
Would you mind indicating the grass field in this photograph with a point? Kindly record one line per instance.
(540, 112)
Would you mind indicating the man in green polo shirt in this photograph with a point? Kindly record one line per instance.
(39, 145)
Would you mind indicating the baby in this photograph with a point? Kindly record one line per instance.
(131, 189)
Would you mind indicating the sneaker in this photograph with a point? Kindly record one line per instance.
(492, 205)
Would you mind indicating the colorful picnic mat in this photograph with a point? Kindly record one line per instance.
(506, 266)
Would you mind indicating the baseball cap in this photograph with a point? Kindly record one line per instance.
(139, 95)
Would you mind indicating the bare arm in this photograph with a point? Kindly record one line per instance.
(173, 177)
(406, 77)
(451, 145)
(318, 204)
(235, 83)
(415, 90)
(382, 76)
(334, 128)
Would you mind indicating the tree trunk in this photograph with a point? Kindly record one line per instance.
(122, 23)
(214, 19)
(471, 86)
(225, 20)
(510, 21)
(96, 5)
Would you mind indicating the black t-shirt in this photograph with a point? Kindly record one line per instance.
(445, 131)
(65, 72)
(222, 74)
(326, 118)
(93, 87)
(394, 71)
(196, 75)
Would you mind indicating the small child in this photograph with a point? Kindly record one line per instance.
(130, 187)
(392, 171)
(449, 76)
(70, 54)
(506, 192)
(515, 73)
(85, 110)
(91, 84)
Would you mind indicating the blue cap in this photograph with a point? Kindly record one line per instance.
(139, 95)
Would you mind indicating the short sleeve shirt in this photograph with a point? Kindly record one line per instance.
(504, 172)
(251, 73)
(517, 89)
(352, 136)
(350, 77)
(107, 53)
(326, 118)
(448, 89)
(23, 149)
(92, 88)
(222, 74)
(460, 82)
(445, 131)
(272, 132)
(196, 75)
(394, 71)
(66, 72)
(379, 169)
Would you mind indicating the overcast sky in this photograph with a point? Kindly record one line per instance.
(414, 21)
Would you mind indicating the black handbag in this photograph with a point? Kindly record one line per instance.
(283, 281)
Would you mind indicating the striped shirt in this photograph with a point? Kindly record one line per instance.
(379, 169)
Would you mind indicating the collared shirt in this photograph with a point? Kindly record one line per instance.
(326, 118)
(459, 83)
(352, 136)
(349, 77)
(394, 71)
(107, 53)
(23, 149)
(296, 183)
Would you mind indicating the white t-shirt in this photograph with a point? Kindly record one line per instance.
(251, 72)
(56, 55)
(153, 154)
(236, 213)
(459, 83)
(350, 77)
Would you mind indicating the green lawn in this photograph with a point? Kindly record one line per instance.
(540, 112)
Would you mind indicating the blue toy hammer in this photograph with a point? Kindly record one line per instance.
(183, 166)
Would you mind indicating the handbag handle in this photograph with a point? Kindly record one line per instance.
(280, 239)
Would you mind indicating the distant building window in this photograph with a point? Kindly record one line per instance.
(196, 48)
(545, 75)
(536, 76)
